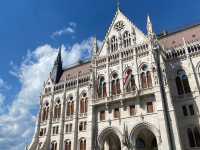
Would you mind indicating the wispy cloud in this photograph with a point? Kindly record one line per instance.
(17, 125)
(70, 29)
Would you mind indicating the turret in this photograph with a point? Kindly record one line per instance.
(57, 68)
(94, 48)
(150, 31)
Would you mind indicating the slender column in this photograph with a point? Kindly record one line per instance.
(76, 117)
(62, 121)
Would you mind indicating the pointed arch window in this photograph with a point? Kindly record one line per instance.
(45, 112)
(101, 89)
(67, 145)
(84, 103)
(70, 107)
(114, 44)
(129, 81)
(126, 39)
(145, 77)
(115, 84)
(82, 144)
(57, 109)
(182, 83)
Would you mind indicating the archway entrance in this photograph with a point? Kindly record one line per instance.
(145, 140)
(109, 139)
(112, 142)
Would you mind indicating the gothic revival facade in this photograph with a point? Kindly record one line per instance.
(138, 92)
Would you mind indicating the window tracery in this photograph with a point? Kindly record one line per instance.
(145, 77)
(114, 44)
(45, 112)
(126, 39)
(182, 83)
(67, 145)
(115, 84)
(82, 144)
(129, 81)
(70, 106)
(101, 87)
(84, 103)
(57, 109)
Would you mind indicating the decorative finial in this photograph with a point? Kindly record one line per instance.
(118, 4)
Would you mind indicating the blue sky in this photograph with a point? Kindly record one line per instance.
(32, 30)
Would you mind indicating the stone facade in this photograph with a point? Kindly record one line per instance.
(138, 92)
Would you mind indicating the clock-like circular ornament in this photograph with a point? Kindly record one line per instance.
(119, 26)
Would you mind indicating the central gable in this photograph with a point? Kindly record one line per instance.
(120, 26)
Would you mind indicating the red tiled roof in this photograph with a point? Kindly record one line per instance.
(175, 39)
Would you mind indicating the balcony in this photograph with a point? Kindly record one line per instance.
(82, 115)
(124, 95)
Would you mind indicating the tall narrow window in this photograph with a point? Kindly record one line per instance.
(70, 106)
(83, 144)
(129, 81)
(191, 137)
(182, 83)
(67, 145)
(197, 136)
(191, 109)
(185, 112)
(57, 110)
(114, 44)
(149, 107)
(145, 77)
(132, 110)
(83, 103)
(149, 81)
(179, 86)
(102, 115)
(126, 39)
(115, 84)
(45, 112)
(116, 113)
(101, 89)
(54, 146)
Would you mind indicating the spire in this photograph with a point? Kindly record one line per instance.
(150, 31)
(95, 47)
(57, 68)
(118, 5)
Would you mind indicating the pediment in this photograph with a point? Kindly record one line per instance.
(119, 26)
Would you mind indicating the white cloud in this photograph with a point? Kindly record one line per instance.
(66, 30)
(17, 125)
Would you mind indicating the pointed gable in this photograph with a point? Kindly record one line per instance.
(119, 26)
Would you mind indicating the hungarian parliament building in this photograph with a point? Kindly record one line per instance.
(139, 91)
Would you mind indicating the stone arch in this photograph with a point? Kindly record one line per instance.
(109, 131)
(145, 126)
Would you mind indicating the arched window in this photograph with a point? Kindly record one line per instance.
(145, 77)
(54, 145)
(70, 106)
(126, 39)
(114, 44)
(182, 83)
(115, 84)
(57, 110)
(83, 103)
(149, 81)
(101, 89)
(67, 145)
(83, 144)
(45, 112)
(129, 81)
